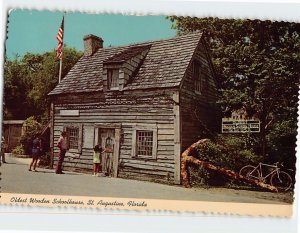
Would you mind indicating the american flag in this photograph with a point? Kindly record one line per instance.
(60, 37)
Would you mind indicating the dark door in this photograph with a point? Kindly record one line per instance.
(107, 141)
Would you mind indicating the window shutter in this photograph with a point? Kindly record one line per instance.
(80, 138)
(134, 143)
(197, 76)
(154, 149)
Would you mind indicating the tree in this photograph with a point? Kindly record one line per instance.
(32, 129)
(258, 67)
(45, 78)
(29, 79)
(15, 86)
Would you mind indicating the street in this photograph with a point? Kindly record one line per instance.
(17, 179)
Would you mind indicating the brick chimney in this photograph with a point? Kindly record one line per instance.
(91, 44)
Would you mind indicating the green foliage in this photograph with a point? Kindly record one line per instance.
(282, 143)
(29, 79)
(18, 150)
(258, 66)
(32, 128)
(230, 152)
(45, 159)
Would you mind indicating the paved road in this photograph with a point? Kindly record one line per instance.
(17, 179)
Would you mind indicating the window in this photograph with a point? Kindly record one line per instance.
(73, 137)
(144, 142)
(113, 79)
(197, 77)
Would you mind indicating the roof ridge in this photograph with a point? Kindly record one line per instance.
(149, 42)
(164, 65)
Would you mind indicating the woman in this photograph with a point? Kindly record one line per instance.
(36, 151)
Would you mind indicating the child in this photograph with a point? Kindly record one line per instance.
(97, 159)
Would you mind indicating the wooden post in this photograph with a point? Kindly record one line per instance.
(116, 151)
(51, 134)
(8, 139)
(177, 138)
(60, 68)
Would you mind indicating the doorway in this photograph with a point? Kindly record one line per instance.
(106, 138)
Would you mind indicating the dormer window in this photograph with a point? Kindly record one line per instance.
(197, 77)
(121, 67)
(113, 79)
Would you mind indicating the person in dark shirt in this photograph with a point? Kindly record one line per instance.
(36, 151)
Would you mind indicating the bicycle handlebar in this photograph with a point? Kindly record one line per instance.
(278, 164)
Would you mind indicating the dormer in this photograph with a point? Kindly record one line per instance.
(121, 67)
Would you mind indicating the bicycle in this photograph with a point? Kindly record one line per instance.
(280, 179)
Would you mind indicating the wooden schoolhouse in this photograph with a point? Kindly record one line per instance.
(146, 101)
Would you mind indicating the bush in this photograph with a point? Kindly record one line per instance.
(18, 150)
(230, 152)
(45, 159)
(32, 128)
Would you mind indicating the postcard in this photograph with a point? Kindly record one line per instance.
(155, 112)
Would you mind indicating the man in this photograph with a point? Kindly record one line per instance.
(3, 147)
(62, 145)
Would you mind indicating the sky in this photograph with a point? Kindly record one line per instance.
(35, 31)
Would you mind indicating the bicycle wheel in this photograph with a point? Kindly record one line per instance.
(281, 180)
(249, 172)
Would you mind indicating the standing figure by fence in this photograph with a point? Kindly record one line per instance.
(3, 147)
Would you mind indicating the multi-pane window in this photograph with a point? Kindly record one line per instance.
(197, 76)
(144, 142)
(73, 137)
(112, 78)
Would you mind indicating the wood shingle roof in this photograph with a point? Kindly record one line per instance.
(164, 66)
(127, 54)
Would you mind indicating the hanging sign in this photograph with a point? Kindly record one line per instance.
(230, 125)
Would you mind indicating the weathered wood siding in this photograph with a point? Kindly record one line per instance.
(198, 110)
(129, 109)
(131, 66)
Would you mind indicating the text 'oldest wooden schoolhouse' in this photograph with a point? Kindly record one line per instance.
(147, 102)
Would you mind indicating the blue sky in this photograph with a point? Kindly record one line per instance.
(35, 31)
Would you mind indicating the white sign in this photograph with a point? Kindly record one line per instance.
(240, 126)
(69, 112)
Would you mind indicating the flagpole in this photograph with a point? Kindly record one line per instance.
(60, 68)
